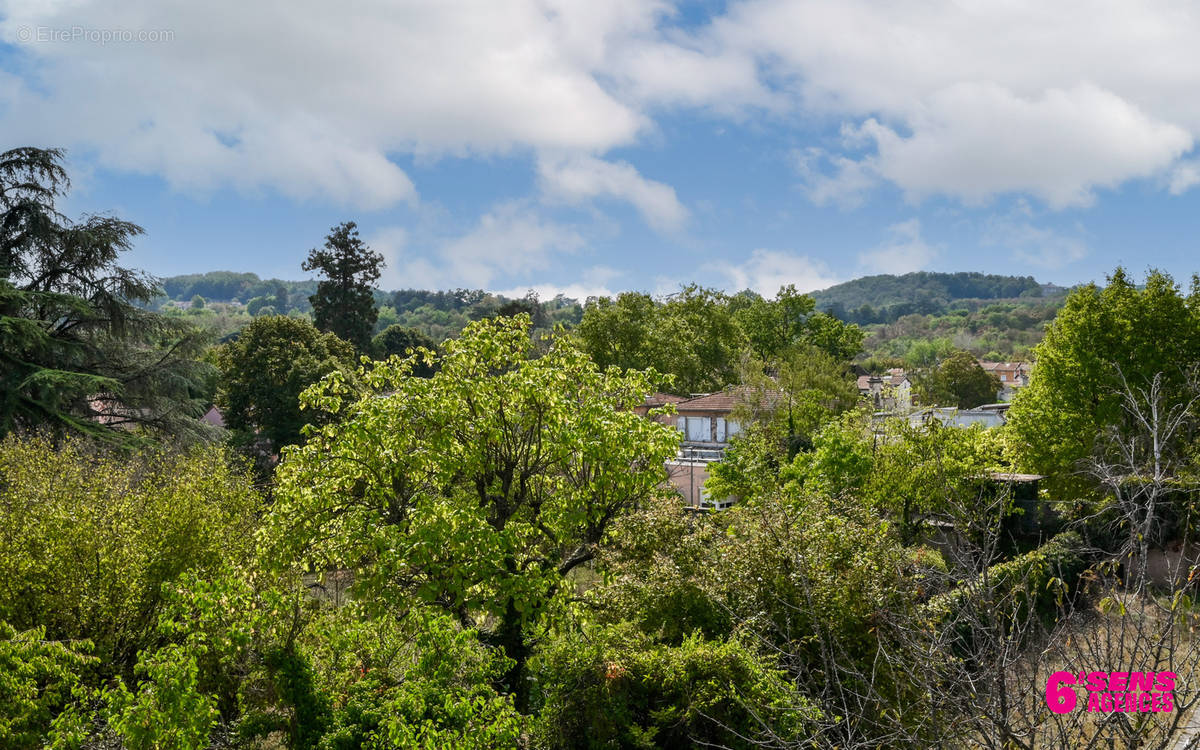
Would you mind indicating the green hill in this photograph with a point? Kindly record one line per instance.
(885, 298)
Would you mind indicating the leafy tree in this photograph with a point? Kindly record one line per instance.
(959, 381)
(256, 304)
(933, 471)
(478, 490)
(619, 332)
(76, 350)
(813, 581)
(1102, 340)
(345, 300)
(691, 335)
(266, 368)
(197, 302)
(400, 341)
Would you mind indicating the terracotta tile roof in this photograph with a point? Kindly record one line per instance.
(895, 376)
(661, 399)
(721, 401)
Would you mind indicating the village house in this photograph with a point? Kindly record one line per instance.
(1013, 376)
(706, 425)
(891, 391)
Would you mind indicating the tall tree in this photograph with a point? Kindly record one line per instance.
(264, 371)
(478, 490)
(345, 300)
(1103, 342)
(76, 349)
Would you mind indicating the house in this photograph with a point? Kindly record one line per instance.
(213, 417)
(891, 391)
(657, 401)
(953, 417)
(1013, 376)
(707, 425)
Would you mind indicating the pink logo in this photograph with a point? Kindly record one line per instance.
(1139, 692)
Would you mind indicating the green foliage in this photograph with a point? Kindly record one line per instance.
(38, 680)
(167, 711)
(1100, 337)
(788, 564)
(264, 371)
(991, 330)
(841, 461)
(931, 470)
(691, 335)
(421, 682)
(477, 490)
(959, 381)
(1036, 582)
(890, 297)
(77, 352)
(698, 335)
(336, 677)
(399, 341)
(89, 536)
(615, 687)
(345, 301)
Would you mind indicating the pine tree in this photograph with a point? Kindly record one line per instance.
(77, 351)
(345, 300)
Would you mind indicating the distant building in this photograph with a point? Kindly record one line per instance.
(706, 424)
(1013, 376)
(991, 415)
(213, 417)
(889, 392)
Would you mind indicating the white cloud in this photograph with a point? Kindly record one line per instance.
(593, 282)
(310, 99)
(904, 251)
(968, 100)
(510, 242)
(765, 271)
(580, 178)
(1055, 100)
(845, 183)
(976, 141)
(1039, 246)
(1184, 177)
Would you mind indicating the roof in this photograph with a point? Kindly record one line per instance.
(993, 366)
(722, 401)
(894, 376)
(661, 399)
(214, 417)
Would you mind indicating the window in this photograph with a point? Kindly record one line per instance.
(699, 429)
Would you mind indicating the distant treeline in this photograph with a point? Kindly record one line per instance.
(887, 298)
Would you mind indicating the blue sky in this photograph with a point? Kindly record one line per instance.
(582, 147)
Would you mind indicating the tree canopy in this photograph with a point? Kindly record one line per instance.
(77, 351)
(477, 490)
(958, 380)
(1103, 339)
(264, 371)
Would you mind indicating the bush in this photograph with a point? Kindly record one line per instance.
(614, 687)
(90, 535)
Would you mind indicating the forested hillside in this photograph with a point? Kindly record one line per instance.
(884, 298)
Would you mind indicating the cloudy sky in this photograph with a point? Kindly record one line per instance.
(581, 146)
